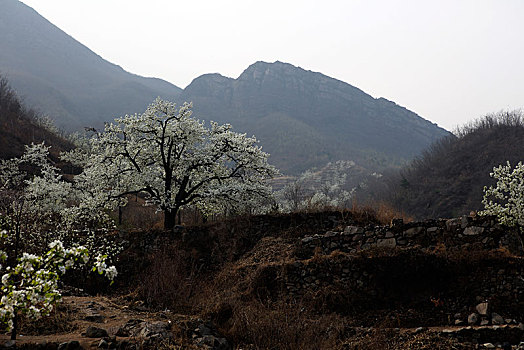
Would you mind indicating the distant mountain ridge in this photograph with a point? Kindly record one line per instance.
(303, 119)
(306, 119)
(59, 76)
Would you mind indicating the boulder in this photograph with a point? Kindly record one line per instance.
(387, 242)
(473, 319)
(95, 332)
(497, 319)
(130, 328)
(482, 308)
(70, 345)
(473, 230)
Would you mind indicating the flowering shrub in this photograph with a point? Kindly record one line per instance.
(31, 287)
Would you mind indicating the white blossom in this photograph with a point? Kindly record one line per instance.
(174, 159)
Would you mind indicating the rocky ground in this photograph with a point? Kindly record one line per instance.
(98, 322)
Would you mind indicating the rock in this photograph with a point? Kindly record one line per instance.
(459, 322)
(354, 230)
(496, 319)
(307, 239)
(484, 322)
(387, 242)
(330, 234)
(94, 317)
(130, 328)
(412, 232)
(482, 308)
(71, 345)
(103, 344)
(453, 224)
(215, 343)
(464, 221)
(473, 230)
(420, 330)
(521, 326)
(204, 330)
(10, 344)
(157, 329)
(488, 346)
(473, 318)
(95, 332)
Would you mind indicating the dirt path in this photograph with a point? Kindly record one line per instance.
(102, 312)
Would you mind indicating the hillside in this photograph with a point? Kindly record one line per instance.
(306, 119)
(448, 178)
(57, 75)
(19, 127)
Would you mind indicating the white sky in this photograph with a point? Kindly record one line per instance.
(449, 60)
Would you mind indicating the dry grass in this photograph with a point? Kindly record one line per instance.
(58, 322)
(380, 212)
(170, 280)
(281, 325)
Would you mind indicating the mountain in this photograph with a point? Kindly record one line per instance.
(448, 179)
(302, 118)
(306, 119)
(59, 76)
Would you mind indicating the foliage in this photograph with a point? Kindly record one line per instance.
(31, 287)
(506, 199)
(174, 160)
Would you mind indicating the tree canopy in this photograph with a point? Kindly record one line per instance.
(175, 160)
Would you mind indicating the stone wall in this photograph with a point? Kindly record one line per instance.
(460, 260)
(453, 234)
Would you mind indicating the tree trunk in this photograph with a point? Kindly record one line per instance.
(170, 218)
(15, 325)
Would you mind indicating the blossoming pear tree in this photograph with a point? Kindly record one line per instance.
(174, 159)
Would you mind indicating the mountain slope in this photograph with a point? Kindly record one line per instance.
(448, 179)
(19, 127)
(305, 119)
(61, 77)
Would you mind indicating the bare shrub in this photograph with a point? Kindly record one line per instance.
(170, 280)
(281, 325)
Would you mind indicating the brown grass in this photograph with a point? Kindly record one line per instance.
(58, 322)
(170, 280)
(381, 212)
(281, 325)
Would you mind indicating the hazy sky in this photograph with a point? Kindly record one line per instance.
(449, 60)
